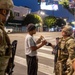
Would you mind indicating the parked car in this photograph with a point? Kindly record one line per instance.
(51, 29)
(8, 30)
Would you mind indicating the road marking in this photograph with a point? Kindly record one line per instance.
(41, 67)
(47, 38)
(46, 49)
(45, 55)
(48, 70)
(44, 37)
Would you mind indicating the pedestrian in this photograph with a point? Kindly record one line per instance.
(31, 47)
(65, 64)
(5, 45)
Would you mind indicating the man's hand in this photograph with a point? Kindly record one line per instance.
(40, 39)
(44, 42)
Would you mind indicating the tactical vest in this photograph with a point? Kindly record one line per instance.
(62, 47)
(5, 42)
(63, 55)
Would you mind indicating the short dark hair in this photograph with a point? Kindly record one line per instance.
(31, 27)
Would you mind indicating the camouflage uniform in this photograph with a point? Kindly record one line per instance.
(5, 46)
(66, 54)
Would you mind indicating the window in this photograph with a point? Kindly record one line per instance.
(16, 14)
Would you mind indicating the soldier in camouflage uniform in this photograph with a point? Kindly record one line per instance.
(65, 64)
(5, 45)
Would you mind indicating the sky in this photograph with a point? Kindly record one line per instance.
(34, 6)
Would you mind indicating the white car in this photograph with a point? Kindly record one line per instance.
(51, 29)
(8, 30)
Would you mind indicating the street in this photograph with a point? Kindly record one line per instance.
(44, 54)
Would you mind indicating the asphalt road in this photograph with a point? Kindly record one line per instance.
(44, 54)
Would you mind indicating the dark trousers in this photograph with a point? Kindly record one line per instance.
(32, 65)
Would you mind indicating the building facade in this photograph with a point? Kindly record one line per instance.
(19, 13)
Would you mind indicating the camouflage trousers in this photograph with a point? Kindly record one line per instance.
(62, 69)
(3, 64)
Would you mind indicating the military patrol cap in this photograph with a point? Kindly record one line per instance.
(6, 4)
(68, 30)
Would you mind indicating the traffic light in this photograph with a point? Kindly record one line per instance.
(39, 1)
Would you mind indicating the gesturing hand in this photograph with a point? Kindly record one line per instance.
(44, 42)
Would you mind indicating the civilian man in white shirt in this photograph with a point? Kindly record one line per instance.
(31, 47)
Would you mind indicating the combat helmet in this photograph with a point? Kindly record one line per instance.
(68, 29)
(6, 4)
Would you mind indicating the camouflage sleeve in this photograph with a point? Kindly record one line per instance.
(1, 36)
(71, 58)
(71, 49)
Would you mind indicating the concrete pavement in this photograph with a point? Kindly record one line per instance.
(44, 54)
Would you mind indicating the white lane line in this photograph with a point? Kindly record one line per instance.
(45, 55)
(44, 37)
(45, 69)
(47, 38)
(41, 67)
(46, 49)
